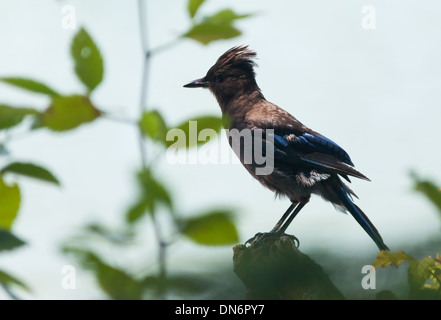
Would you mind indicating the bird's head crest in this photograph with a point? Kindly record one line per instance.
(232, 74)
(236, 58)
(240, 57)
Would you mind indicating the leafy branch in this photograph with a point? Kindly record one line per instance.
(423, 276)
(65, 113)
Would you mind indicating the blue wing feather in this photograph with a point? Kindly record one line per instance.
(314, 151)
(315, 143)
(281, 140)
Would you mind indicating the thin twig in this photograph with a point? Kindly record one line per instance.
(162, 248)
(145, 76)
(11, 294)
(164, 47)
(9, 137)
(142, 108)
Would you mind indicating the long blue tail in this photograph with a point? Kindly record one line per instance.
(361, 218)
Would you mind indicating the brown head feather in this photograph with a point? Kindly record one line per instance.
(237, 57)
(233, 75)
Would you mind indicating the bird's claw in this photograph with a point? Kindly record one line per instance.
(295, 239)
(260, 236)
(254, 239)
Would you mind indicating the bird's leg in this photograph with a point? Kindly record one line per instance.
(277, 227)
(293, 215)
(285, 215)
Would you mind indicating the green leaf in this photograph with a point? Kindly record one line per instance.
(8, 241)
(419, 272)
(386, 258)
(213, 228)
(11, 116)
(193, 6)
(153, 193)
(207, 32)
(68, 112)
(118, 237)
(152, 125)
(31, 170)
(429, 189)
(216, 27)
(88, 61)
(9, 203)
(227, 15)
(116, 283)
(138, 210)
(30, 85)
(192, 129)
(6, 280)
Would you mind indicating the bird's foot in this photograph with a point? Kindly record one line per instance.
(254, 239)
(262, 236)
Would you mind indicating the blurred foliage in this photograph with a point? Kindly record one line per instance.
(429, 189)
(153, 125)
(423, 276)
(67, 112)
(211, 227)
(187, 132)
(193, 6)
(8, 241)
(192, 130)
(12, 116)
(89, 65)
(30, 170)
(118, 284)
(30, 85)
(217, 26)
(6, 281)
(152, 194)
(10, 203)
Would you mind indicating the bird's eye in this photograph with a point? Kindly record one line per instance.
(219, 77)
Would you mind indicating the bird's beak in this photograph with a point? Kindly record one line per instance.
(198, 83)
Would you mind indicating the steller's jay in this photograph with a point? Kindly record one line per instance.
(305, 162)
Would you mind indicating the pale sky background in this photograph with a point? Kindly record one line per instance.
(374, 92)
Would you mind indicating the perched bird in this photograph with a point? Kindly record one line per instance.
(305, 162)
